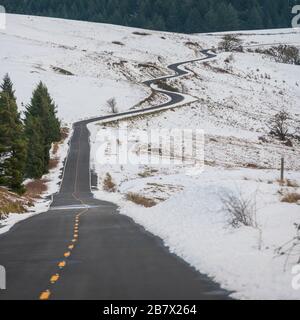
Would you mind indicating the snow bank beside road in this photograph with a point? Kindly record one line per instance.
(194, 225)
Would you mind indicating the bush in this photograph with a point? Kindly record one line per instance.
(112, 105)
(230, 42)
(280, 124)
(165, 86)
(140, 200)
(291, 198)
(283, 54)
(242, 212)
(108, 184)
(36, 188)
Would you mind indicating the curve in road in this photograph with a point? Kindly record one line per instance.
(83, 249)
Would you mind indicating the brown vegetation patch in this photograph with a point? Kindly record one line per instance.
(12, 203)
(140, 200)
(108, 184)
(291, 198)
(53, 163)
(36, 188)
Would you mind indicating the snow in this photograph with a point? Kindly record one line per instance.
(231, 101)
(234, 108)
(32, 46)
(194, 225)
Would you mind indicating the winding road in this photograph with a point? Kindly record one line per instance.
(82, 248)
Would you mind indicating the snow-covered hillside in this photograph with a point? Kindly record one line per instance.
(106, 61)
(85, 64)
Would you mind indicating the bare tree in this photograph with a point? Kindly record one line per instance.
(280, 125)
(112, 105)
(242, 211)
(230, 42)
(286, 54)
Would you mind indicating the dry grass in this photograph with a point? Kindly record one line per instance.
(55, 148)
(140, 200)
(36, 188)
(53, 163)
(288, 183)
(108, 184)
(12, 203)
(291, 198)
(292, 184)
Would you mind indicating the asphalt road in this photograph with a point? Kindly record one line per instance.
(82, 248)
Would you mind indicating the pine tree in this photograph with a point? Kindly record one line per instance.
(271, 13)
(230, 18)
(7, 86)
(193, 21)
(43, 108)
(35, 165)
(255, 20)
(12, 140)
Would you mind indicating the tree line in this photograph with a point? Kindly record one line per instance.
(189, 16)
(25, 143)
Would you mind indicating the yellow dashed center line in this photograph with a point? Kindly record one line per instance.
(45, 295)
(62, 264)
(67, 254)
(54, 278)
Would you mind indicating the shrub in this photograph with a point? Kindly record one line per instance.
(291, 198)
(140, 200)
(242, 212)
(283, 54)
(108, 184)
(112, 105)
(36, 188)
(230, 42)
(279, 125)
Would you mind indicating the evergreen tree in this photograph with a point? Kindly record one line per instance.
(35, 165)
(173, 14)
(230, 18)
(43, 109)
(7, 86)
(193, 21)
(12, 140)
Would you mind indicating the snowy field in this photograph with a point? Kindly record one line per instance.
(84, 64)
(238, 94)
(105, 61)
